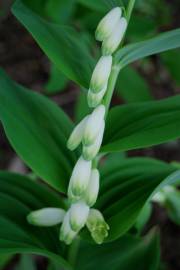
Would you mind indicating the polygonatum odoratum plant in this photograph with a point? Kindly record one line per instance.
(87, 203)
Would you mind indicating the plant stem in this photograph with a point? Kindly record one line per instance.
(116, 69)
(130, 9)
(73, 250)
(111, 86)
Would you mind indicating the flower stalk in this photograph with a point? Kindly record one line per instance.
(84, 182)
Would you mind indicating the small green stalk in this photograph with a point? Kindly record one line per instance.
(72, 252)
(111, 85)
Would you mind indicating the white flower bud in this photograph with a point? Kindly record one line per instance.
(76, 135)
(80, 177)
(111, 43)
(66, 233)
(108, 23)
(90, 151)
(94, 99)
(97, 226)
(94, 125)
(46, 217)
(93, 188)
(78, 215)
(101, 74)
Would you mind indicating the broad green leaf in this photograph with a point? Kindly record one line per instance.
(60, 11)
(36, 6)
(57, 11)
(133, 52)
(57, 81)
(101, 5)
(132, 87)
(127, 253)
(81, 107)
(38, 130)
(18, 197)
(141, 27)
(62, 44)
(142, 125)
(143, 217)
(126, 187)
(26, 262)
(171, 59)
(172, 205)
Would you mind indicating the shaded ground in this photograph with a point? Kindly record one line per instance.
(25, 63)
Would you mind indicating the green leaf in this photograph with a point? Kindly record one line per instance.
(38, 130)
(101, 5)
(127, 253)
(141, 27)
(172, 205)
(81, 107)
(142, 125)
(62, 44)
(164, 42)
(143, 217)
(26, 262)
(57, 81)
(132, 87)
(171, 60)
(18, 197)
(126, 187)
(60, 11)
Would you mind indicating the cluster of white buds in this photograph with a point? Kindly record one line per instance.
(84, 182)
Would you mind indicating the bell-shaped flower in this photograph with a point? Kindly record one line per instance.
(108, 23)
(80, 177)
(94, 125)
(97, 226)
(46, 217)
(78, 215)
(77, 135)
(94, 99)
(101, 74)
(93, 188)
(111, 43)
(67, 235)
(90, 151)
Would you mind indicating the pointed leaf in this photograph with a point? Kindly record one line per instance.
(62, 44)
(133, 52)
(127, 186)
(125, 253)
(19, 196)
(38, 131)
(142, 125)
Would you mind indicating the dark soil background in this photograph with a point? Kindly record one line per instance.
(23, 60)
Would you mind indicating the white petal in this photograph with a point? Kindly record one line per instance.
(46, 217)
(93, 125)
(78, 215)
(107, 24)
(94, 99)
(101, 74)
(66, 233)
(90, 151)
(76, 135)
(93, 188)
(80, 177)
(111, 43)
